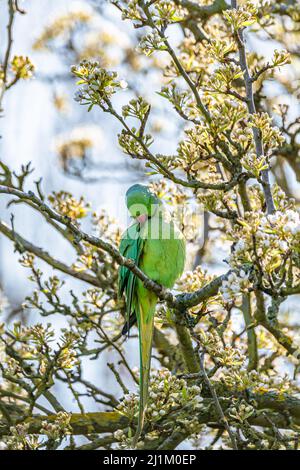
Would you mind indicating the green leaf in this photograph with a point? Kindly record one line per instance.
(248, 23)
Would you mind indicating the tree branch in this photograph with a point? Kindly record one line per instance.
(276, 406)
(252, 110)
(261, 318)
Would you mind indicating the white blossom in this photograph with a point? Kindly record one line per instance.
(123, 84)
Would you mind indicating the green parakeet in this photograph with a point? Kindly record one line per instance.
(158, 248)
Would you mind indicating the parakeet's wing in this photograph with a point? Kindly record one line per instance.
(131, 246)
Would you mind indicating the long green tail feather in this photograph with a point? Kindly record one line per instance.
(145, 316)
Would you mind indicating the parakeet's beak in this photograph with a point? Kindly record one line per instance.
(142, 218)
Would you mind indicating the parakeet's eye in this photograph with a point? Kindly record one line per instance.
(138, 213)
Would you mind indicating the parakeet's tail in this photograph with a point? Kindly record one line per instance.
(129, 324)
(145, 318)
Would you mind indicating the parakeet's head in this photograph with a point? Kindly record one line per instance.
(141, 202)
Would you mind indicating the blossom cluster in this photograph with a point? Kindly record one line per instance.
(57, 428)
(271, 135)
(226, 357)
(257, 382)
(266, 238)
(19, 438)
(150, 43)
